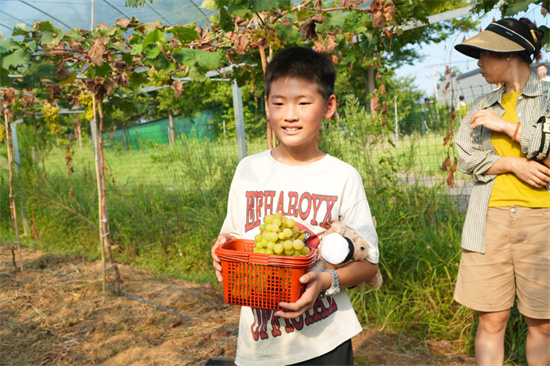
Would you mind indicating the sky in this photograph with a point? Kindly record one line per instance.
(443, 54)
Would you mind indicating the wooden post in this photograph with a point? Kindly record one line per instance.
(13, 210)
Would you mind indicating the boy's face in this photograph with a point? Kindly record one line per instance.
(296, 111)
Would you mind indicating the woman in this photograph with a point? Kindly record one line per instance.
(503, 142)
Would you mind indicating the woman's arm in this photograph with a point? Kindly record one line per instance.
(531, 172)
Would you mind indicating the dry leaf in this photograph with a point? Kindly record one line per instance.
(121, 79)
(350, 3)
(75, 46)
(309, 30)
(10, 96)
(96, 52)
(319, 5)
(177, 86)
(378, 20)
(446, 163)
(123, 22)
(319, 47)
(330, 43)
(62, 72)
(241, 42)
(446, 139)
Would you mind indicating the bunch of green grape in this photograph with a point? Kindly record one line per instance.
(86, 100)
(280, 235)
(157, 78)
(270, 35)
(2, 133)
(51, 115)
(273, 38)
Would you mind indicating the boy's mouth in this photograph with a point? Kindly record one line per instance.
(291, 129)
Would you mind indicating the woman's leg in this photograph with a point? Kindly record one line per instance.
(490, 338)
(538, 342)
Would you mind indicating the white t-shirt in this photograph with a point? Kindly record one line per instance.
(312, 194)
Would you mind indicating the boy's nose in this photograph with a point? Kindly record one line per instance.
(291, 114)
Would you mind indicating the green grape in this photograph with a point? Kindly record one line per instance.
(288, 245)
(278, 248)
(287, 233)
(298, 245)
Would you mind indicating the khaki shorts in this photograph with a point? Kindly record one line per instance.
(516, 261)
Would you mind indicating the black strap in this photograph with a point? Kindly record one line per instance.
(512, 35)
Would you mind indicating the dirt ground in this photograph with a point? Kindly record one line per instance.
(55, 313)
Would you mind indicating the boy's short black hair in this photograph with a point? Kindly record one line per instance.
(302, 63)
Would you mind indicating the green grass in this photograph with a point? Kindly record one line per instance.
(166, 206)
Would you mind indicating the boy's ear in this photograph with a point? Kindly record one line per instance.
(330, 107)
(266, 107)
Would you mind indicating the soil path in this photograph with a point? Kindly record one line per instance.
(55, 313)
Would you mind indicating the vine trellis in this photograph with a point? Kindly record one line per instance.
(63, 67)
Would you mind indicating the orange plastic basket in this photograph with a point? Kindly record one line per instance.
(261, 280)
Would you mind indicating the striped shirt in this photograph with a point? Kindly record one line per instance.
(477, 154)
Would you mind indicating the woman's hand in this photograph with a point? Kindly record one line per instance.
(531, 172)
(315, 283)
(492, 121)
(222, 238)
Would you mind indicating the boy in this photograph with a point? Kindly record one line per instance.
(304, 183)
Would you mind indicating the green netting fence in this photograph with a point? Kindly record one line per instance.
(146, 135)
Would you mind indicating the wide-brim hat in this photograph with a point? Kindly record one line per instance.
(507, 35)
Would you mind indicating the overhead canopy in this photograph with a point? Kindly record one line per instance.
(68, 14)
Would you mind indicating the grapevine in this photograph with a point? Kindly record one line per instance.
(51, 115)
(86, 100)
(280, 235)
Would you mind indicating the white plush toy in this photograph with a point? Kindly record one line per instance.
(340, 245)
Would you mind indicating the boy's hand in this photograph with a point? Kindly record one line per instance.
(222, 238)
(316, 282)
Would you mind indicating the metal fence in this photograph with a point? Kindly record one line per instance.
(148, 174)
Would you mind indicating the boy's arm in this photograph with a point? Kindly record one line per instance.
(349, 275)
(222, 238)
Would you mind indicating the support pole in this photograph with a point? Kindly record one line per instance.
(17, 160)
(396, 125)
(239, 119)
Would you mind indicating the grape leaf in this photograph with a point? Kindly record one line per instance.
(8, 45)
(155, 36)
(18, 58)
